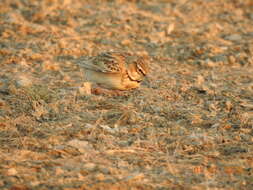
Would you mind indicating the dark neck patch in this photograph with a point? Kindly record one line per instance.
(140, 70)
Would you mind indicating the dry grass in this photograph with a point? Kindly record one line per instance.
(189, 126)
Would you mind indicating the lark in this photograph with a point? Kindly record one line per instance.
(116, 70)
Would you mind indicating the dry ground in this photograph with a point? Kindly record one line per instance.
(189, 126)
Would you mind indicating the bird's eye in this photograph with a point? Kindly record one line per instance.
(140, 71)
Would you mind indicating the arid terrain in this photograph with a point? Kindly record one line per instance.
(189, 126)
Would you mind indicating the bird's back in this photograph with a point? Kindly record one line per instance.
(107, 62)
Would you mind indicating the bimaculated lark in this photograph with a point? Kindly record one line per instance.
(115, 70)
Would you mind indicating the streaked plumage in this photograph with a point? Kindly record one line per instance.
(115, 70)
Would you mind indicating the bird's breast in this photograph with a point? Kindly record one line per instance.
(116, 81)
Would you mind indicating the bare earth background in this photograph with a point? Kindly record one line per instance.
(189, 126)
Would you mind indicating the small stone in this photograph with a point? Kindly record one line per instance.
(23, 81)
(209, 63)
(82, 146)
(85, 89)
(200, 79)
(234, 37)
(100, 176)
(89, 166)
(219, 58)
(231, 60)
(11, 172)
(126, 42)
(170, 29)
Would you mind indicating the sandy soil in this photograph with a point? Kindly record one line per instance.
(189, 125)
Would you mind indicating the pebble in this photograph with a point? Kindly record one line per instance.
(234, 37)
(23, 81)
(85, 89)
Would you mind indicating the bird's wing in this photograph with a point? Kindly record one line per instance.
(109, 62)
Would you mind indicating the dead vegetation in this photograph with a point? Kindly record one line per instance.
(189, 126)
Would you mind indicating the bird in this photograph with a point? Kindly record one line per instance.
(116, 70)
